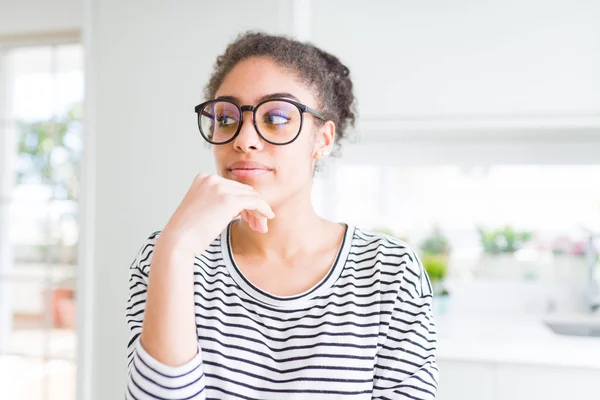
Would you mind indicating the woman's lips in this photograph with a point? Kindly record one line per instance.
(244, 173)
(248, 169)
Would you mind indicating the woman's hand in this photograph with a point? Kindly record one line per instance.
(210, 204)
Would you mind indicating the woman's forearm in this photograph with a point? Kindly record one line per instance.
(169, 329)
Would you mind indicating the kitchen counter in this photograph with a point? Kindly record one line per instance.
(524, 340)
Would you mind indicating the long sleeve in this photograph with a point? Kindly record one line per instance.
(147, 378)
(406, 367)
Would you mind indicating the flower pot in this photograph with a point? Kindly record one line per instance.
(441, 304)
(64, 308)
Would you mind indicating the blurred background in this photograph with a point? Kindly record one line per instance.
(478, 143)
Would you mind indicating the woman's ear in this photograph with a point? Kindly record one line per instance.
(325, 139)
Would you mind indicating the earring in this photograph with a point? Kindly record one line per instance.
(322, 153)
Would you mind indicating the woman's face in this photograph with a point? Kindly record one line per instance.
(284, 171)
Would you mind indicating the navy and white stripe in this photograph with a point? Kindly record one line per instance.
(364, 332)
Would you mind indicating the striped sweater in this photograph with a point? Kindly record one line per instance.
(365, 331)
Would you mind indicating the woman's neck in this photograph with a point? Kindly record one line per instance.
(295, 229)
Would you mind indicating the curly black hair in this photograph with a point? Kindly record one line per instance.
(322, 72)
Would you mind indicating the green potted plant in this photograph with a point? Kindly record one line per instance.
(435, 254)
(499, 246)
(505, 240)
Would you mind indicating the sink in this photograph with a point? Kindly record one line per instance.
(577, 325)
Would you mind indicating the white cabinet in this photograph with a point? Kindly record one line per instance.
(466, 59)
(522, 382)
(464, 380)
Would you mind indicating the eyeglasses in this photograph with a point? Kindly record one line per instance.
(277, 121)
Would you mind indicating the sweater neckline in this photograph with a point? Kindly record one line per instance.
(300, 299)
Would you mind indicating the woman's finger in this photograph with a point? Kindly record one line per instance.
(256, 222)
(256, 206)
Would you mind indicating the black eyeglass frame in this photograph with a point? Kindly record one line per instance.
(301, 107)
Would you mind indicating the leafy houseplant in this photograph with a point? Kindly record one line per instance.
(435, 251)
(436, 266)
(49, 152)
(505, 240)
(499, 247)
(435, 243)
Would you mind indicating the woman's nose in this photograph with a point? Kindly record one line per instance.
(248, 138)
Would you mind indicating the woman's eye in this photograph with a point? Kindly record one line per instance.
(277, 119)
(225, 120)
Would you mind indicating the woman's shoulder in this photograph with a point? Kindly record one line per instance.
(382, 242)
(393, 257)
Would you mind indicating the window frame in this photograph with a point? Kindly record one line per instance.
(83, 328)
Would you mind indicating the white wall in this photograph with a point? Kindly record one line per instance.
(148, 66)
(18, 17)
(469, 82)
(467, 58)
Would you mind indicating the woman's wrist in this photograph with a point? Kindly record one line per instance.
(172, 245)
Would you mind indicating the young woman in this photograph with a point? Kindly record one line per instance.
(248, 293)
